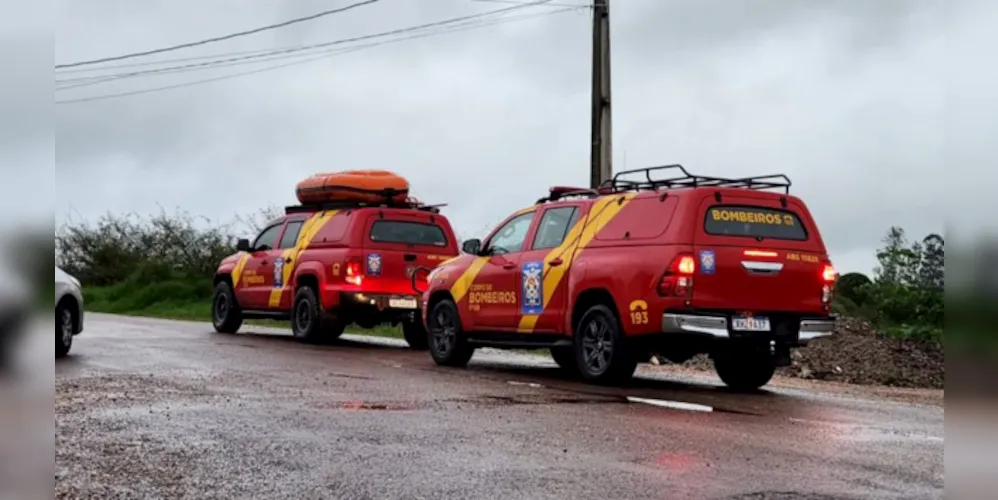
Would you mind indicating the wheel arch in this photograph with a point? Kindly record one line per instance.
(589, 298)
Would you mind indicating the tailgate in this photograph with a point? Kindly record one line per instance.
(753, 255)
(395, 244)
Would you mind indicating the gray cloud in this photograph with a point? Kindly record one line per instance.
(849, 98)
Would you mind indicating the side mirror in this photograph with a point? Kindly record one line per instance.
(472, 246)
(243, 245)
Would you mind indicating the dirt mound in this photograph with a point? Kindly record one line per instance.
(857, 354)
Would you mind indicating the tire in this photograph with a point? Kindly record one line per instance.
(447, 343)
(332, 329)
(65, 328)
(415, 334)
(745, 372)
(599, 331)
(308, 323)
(565, 358)
(226, 315)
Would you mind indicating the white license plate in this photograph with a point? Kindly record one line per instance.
(750, 324)
(403, 303)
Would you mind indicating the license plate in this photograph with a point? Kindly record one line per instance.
(402, 303)
(750, 324)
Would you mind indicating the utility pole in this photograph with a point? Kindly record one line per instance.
(602, 151)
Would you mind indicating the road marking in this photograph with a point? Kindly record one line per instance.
(676, 405)
(528, 384)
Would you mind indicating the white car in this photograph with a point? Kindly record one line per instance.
(68, 311)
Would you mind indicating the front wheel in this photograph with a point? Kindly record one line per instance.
(601, 355)
(226, 316)
(415, 334)
(448, 345)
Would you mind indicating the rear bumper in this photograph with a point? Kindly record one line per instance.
(718, 327)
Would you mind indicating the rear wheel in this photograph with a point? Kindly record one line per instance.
(565, 358)
(745, 371)
(448, 345)
(65, 327)
(332, 328)
(308, 323)
(601, 355)
(226, 316)
(415, 334)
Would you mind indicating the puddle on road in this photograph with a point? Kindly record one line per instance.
(786, 495)
(367, 405)
(871, 433)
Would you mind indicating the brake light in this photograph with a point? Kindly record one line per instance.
(684, 264)
(678, 278)
(760, 253)
(354, 275)
(828, 277)
(829, 274)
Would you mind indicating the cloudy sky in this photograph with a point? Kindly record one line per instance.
(854, 99)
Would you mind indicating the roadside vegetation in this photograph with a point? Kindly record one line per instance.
(162, 266)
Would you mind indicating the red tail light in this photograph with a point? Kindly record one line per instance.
(829, 274)
(354, 274)
(678, 279)
(828, 277)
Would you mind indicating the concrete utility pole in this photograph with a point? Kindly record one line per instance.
(602, 151)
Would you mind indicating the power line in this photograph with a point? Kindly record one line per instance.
(300, 48)
(161, 61)
(476, 23)
(321, 55)
(92, 80)
(220, 38)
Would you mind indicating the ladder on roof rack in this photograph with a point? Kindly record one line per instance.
(688, 180)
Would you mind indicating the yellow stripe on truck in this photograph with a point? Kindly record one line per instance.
(461, 285)
(308, 231)
(237, 271)
(580, 236)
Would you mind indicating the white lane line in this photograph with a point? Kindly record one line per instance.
(528, 384)
(676, 405)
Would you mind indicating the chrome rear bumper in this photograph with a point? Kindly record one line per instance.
(717, 326)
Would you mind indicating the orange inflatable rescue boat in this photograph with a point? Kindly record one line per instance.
(361, 186)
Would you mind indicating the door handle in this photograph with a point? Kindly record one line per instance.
(508, 265)
(556, 262)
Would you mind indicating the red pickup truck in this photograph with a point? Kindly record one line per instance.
(657, 262)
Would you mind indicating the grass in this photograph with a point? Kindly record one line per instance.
(181, 300)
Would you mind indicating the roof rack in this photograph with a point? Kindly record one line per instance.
(343, 205)
(562, 192)
(688, 180)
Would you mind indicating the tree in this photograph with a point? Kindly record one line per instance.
(852, 286)
(906, 294)
(930, 273)
(899, 262)
(889, 257)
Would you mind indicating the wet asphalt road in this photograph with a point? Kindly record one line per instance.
(160, 409)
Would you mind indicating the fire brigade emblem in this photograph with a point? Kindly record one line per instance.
(278, 272)
(533, 288)
(708, 261)
(374, 264)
